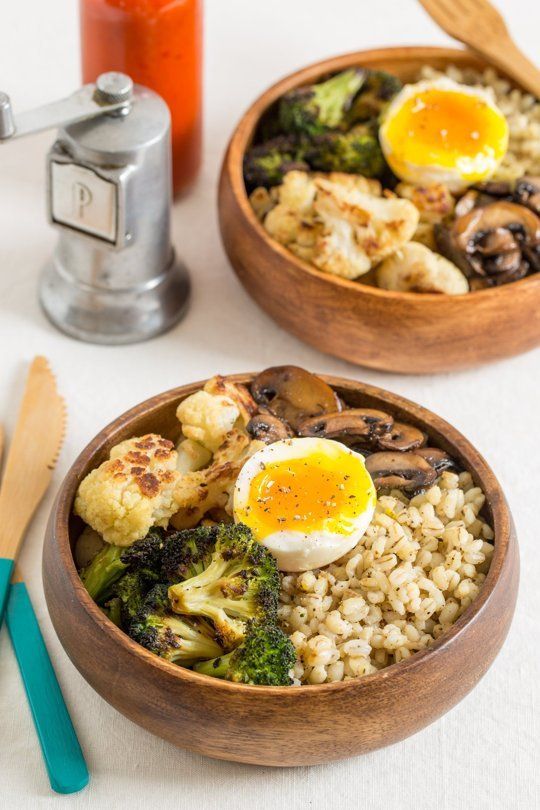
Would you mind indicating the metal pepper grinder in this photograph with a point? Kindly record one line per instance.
(114, 277)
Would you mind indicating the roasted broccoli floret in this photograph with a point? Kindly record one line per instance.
(132, 590)
(186, 553)
(146, 553)
(378, 90)
(240, 583)
(171, 556)
(104, 570)
(265, 657)
(319, 107)
(267, 164)
(182, 640)
(110, 564)
(354, 152)
(113, 610)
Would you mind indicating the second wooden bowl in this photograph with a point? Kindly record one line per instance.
(398, 332)
(278, 726)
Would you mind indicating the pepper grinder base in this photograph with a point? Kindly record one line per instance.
(114, 317)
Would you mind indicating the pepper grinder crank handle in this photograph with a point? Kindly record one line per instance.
(114, 277)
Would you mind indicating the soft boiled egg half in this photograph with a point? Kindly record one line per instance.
(309, 501)
(443, 132)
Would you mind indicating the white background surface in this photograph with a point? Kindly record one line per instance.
(485, 752)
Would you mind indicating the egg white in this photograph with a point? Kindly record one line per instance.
(297, 550)
(482, 165)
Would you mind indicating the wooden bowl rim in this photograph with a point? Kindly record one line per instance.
(246, 126)
(502, 526)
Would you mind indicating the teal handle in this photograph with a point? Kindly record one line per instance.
(6, 568)
(61, 750)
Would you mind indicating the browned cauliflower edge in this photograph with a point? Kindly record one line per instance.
(132, 491)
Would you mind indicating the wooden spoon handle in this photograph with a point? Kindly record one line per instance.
(508, 57)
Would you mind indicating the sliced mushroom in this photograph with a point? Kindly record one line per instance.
(293, 394)
(477, 197)
(497, 215)
(407, 471)
(532, 255)
(499, 242)
(352, 426)
(446, 244)
(527, 192)
(500, 189)
(268, 428)
(402, 437)
(438, 459)
(497, 279)
(497, 251)
(466, 203)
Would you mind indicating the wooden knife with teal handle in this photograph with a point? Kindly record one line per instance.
(32, 455)
(33, 451)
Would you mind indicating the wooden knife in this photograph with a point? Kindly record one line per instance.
(37, 441)
(33, 452)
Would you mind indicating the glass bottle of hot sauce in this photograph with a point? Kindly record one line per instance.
(159, 44)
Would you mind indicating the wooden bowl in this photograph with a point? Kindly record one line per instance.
(279, 726)
(399, 332)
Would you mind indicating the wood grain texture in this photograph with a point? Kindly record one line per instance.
(398, 332)
(278, 726)
(477, 24)
(33, 451)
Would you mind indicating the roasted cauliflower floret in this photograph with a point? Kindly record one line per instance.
(360, 229)
(191, 456)
(434, 202)
(297, 192)
(207, 418)
(212, 488)
(425, 234)
(290, 222)
(261, 202)
(367, 185)
(339, 222)
(238, 393)
(283, 224)
(416, 268)
(131, 492)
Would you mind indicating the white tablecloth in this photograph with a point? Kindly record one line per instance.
(483, 753)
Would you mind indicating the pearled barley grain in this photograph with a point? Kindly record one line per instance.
(420, 564)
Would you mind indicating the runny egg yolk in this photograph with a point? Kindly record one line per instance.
(446, 128)
(309, 494)
(308, 500)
